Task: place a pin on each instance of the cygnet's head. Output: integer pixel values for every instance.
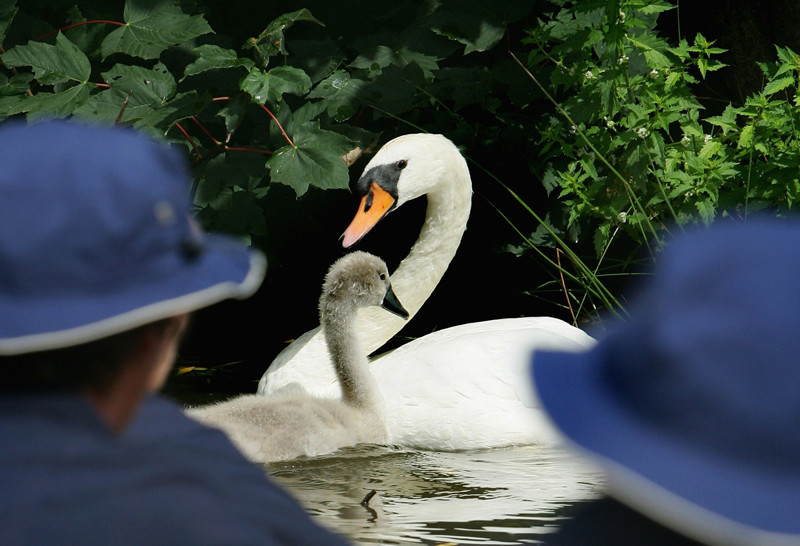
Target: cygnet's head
(358, 279)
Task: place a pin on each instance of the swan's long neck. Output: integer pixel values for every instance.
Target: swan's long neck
(418, 274)
(359, 387)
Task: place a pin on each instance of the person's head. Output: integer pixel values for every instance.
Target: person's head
(100, 259)
(691, 406)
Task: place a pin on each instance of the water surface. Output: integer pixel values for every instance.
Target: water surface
(501, 496)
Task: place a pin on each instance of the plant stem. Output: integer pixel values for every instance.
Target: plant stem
(278, 123)
(81, 23)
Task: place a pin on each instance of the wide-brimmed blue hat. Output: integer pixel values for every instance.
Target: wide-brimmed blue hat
(692, 405)
(97, 237)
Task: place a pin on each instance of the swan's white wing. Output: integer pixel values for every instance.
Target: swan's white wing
(469, 387)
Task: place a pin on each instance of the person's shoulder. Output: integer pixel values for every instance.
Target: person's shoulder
(202, 483)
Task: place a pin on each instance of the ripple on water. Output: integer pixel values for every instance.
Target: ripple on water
(499, 496)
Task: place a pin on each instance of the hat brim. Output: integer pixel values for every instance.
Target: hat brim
(224, 269)
(701, 493)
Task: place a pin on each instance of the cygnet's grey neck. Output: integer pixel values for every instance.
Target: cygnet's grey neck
(359, 388)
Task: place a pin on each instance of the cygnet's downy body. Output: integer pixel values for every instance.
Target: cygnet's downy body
(295, 424)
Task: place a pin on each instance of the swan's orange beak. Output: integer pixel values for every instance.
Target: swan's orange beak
(374, 206)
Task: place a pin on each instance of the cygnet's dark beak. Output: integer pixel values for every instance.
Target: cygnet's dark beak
(393, 305)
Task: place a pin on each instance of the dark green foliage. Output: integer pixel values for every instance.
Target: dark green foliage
(589, 133)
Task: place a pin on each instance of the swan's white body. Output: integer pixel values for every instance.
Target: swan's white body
(467, 387)
(294, 424)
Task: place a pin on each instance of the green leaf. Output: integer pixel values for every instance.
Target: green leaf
(145, 85)
(341, 94)
(151, 26)
(11, 105)
(140, 90)
(779, 84)
(315, 159)
(475, 23)
(211, 57)
(234, 111)
(16, 85)
(653, 49)
(271, 40)
(727, 121)
(709, 149)
(8, 9)
(270, 86)
(787, 56)
(746, 137)
(54, 105)
(381, 57)
(706, 210)
(51, 64)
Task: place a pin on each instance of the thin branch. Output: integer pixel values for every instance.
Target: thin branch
(203, 128)
(278, 123)
(182, 130)
(244, 149)
(122, 110)
(96, 21)
(564, 287)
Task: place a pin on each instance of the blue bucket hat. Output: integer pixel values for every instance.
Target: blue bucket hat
(692, 406)
(97, 237)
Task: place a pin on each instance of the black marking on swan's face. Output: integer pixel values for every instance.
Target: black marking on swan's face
(386, 176)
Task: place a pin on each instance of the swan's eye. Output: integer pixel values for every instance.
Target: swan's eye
(401, 164)
(383, 276)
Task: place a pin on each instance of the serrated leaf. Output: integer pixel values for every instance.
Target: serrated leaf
(52, 64)
(476, 24)
(141, 91)
(17, 84)
(145, 85)
(381, 57)
(8, 10)
(54, 105)
(151, 26)
(709, 149)
(653, 49)
(341, 94)
(727, 121)
(211, 57)
(787, 56)
(779, 84)
(601, 237)
(706, 210)
(271, 40)
(315, 158)
(233, 112)
(653, 8)
(746, 137)
(270, 86)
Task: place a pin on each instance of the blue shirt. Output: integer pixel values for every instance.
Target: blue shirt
(66, 478)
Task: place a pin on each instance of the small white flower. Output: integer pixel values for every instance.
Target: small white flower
(706, 139)
(685, 140)
(623, 217)
(642, 132)
(573, 129)
(610, 123)
(653, 74)
(588, 75)
(621, 16)
(622, 60)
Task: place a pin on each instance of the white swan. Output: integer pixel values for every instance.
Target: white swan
(294, 424)
(466, 387)
(434, 167)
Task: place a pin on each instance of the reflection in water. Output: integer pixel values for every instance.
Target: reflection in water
(502, 496)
